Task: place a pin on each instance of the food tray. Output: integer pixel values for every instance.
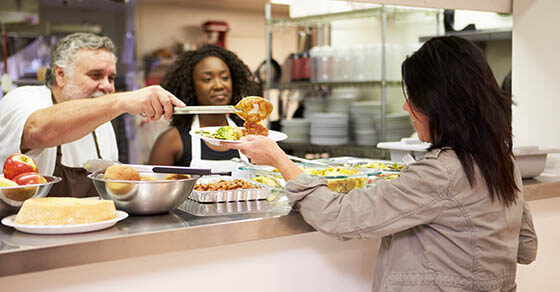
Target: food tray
(341, 183)
(266, 176)
(373, 165)
(229, 195)
(231, 208)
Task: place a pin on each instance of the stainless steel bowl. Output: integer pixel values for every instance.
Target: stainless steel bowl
(144, 197)
(11, 198)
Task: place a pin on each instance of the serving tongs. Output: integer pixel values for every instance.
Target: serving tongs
(100, 165)
(206, 109)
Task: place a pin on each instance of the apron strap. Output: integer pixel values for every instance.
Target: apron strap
(96, 145)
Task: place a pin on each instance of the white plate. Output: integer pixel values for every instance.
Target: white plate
(274, 135)
(63, 229)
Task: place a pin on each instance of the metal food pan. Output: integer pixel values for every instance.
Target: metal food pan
(230, 195)
(230, 208)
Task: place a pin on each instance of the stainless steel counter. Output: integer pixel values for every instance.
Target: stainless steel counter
(148, 235)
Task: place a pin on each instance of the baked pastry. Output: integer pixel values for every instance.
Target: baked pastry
(120, 172)
(254, 109)
(65, 211)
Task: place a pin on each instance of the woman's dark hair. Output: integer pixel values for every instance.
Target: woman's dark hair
(179, 79)
(449, 81)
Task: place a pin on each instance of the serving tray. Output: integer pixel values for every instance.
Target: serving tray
(229, 195)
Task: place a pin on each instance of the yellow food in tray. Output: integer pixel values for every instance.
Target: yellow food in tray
(380, 165)
(268, 180)
(340, 179)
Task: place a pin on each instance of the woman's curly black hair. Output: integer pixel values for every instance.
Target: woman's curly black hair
(179, 79)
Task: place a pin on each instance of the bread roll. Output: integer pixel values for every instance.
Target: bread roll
(120, 172)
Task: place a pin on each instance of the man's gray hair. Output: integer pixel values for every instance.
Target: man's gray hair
(65, 52)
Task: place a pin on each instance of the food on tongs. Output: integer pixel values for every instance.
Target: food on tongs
(253, 110)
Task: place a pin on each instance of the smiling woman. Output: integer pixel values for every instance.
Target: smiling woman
(210, 75)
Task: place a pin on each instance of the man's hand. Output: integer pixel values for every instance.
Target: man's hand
(153, 102)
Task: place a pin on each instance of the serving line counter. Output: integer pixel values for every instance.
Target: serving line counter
(138, 236)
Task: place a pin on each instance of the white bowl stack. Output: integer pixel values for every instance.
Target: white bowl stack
(314, 105)
(340, 99)
(329, 129)
(397, 126)
(296, 129)
(364, 116)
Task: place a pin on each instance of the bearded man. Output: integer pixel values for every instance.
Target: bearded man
(66, 122)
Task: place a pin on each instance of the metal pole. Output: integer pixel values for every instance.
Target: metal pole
(268, 27)
(438, 23)
(383, 72)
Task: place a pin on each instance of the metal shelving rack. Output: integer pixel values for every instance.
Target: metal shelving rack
(382, 11)
(323, 19)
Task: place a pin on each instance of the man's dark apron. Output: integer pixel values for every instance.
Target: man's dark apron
(74, 179)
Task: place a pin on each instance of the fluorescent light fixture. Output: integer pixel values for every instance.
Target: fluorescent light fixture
(283, 2)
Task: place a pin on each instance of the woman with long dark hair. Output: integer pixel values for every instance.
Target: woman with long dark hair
(210, 75)
(454, 220)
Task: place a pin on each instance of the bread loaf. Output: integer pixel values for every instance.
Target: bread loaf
(64, 211)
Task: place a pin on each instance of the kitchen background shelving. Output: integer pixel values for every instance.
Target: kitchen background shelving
(381, 15)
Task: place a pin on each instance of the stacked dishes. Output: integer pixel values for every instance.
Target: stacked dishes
(341, 98)
(296, 129)
(397, 126)
(364, 116)
(329, 129)
(314, 105)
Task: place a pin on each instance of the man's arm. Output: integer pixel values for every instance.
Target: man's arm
(70, 120)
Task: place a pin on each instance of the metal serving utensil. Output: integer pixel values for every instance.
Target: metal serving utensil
(206, 109)
(99, 165)
(306, 161)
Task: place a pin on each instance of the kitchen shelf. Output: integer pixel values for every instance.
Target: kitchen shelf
(478, 35)
(307, 84)
(393, 12)
(380, 13)
(300, 149)
(327, 18)
(23, 82)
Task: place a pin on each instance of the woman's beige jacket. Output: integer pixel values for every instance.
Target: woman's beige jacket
(439, 233)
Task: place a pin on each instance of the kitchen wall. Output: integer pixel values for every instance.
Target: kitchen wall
(246, 36)
(535, 76)
(110, 15)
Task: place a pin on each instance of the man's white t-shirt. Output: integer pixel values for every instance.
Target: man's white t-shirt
(19, 104)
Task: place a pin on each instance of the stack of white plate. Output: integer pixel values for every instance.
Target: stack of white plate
(340, 99)
(329, 129)
(296, 129)
(339, 104)
(397, 126)
(314, 105)
(364, 116)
